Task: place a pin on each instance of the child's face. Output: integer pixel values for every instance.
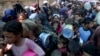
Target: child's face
(20, 18)
(9, 37)
(60, 45)
(55, 26)
(91, 24)
(56, 17)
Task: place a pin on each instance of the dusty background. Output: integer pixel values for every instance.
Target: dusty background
(4, 4)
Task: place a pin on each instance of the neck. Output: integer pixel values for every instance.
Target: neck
(19, 41)
(85, 28)
(32, 37)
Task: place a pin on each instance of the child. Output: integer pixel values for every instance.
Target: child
(21, 17)
(77, 17)
(74, 48)
(28, 26)
(32, 31)
(56, 27)
(62, 47)
(9, 15)
(85, 31)
(12, 32)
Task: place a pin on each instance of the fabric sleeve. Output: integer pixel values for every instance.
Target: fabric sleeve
(34, 47)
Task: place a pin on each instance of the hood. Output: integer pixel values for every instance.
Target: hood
(8, 13)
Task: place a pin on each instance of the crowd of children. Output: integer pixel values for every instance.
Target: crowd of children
(67, 28)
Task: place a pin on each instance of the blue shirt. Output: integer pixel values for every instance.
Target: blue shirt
(84, 34)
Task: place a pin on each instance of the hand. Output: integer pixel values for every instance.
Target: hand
(8, 47)
(1, 52)
(4, 49)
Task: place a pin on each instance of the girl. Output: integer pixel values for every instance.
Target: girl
(28, 26)
(32, 31)
(12, 32)
(56, 27)
(62, 47)
(21, 17)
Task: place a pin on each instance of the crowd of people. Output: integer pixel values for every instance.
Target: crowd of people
(67, 28)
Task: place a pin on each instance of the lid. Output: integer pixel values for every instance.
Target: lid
(45, 38)
(67, 33)
(69, 26)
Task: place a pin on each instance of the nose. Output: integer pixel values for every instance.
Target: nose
(6, 40)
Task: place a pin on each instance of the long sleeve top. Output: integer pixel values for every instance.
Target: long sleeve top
(27, 45)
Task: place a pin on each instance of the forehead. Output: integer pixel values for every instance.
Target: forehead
(8, 33)
(55, 23)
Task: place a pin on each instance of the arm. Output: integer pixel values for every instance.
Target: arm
(34, 47)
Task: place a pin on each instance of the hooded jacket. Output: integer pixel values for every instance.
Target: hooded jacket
(9, 13)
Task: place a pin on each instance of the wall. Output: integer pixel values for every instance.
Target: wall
(4, 4)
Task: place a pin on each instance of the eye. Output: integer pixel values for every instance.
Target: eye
(7, 37)
(59, 42)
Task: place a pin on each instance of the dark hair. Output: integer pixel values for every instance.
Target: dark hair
(63, 40)
(56, 22)
(87, 21)
(74, 46)
(18, 8)
(56, 16)
(75, 25)
(13, 26)
(95, 26)
(37, 30)
(53, 18)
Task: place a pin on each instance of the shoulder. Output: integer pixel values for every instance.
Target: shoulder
(80, 28)
(98, 28)
(28, 41)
